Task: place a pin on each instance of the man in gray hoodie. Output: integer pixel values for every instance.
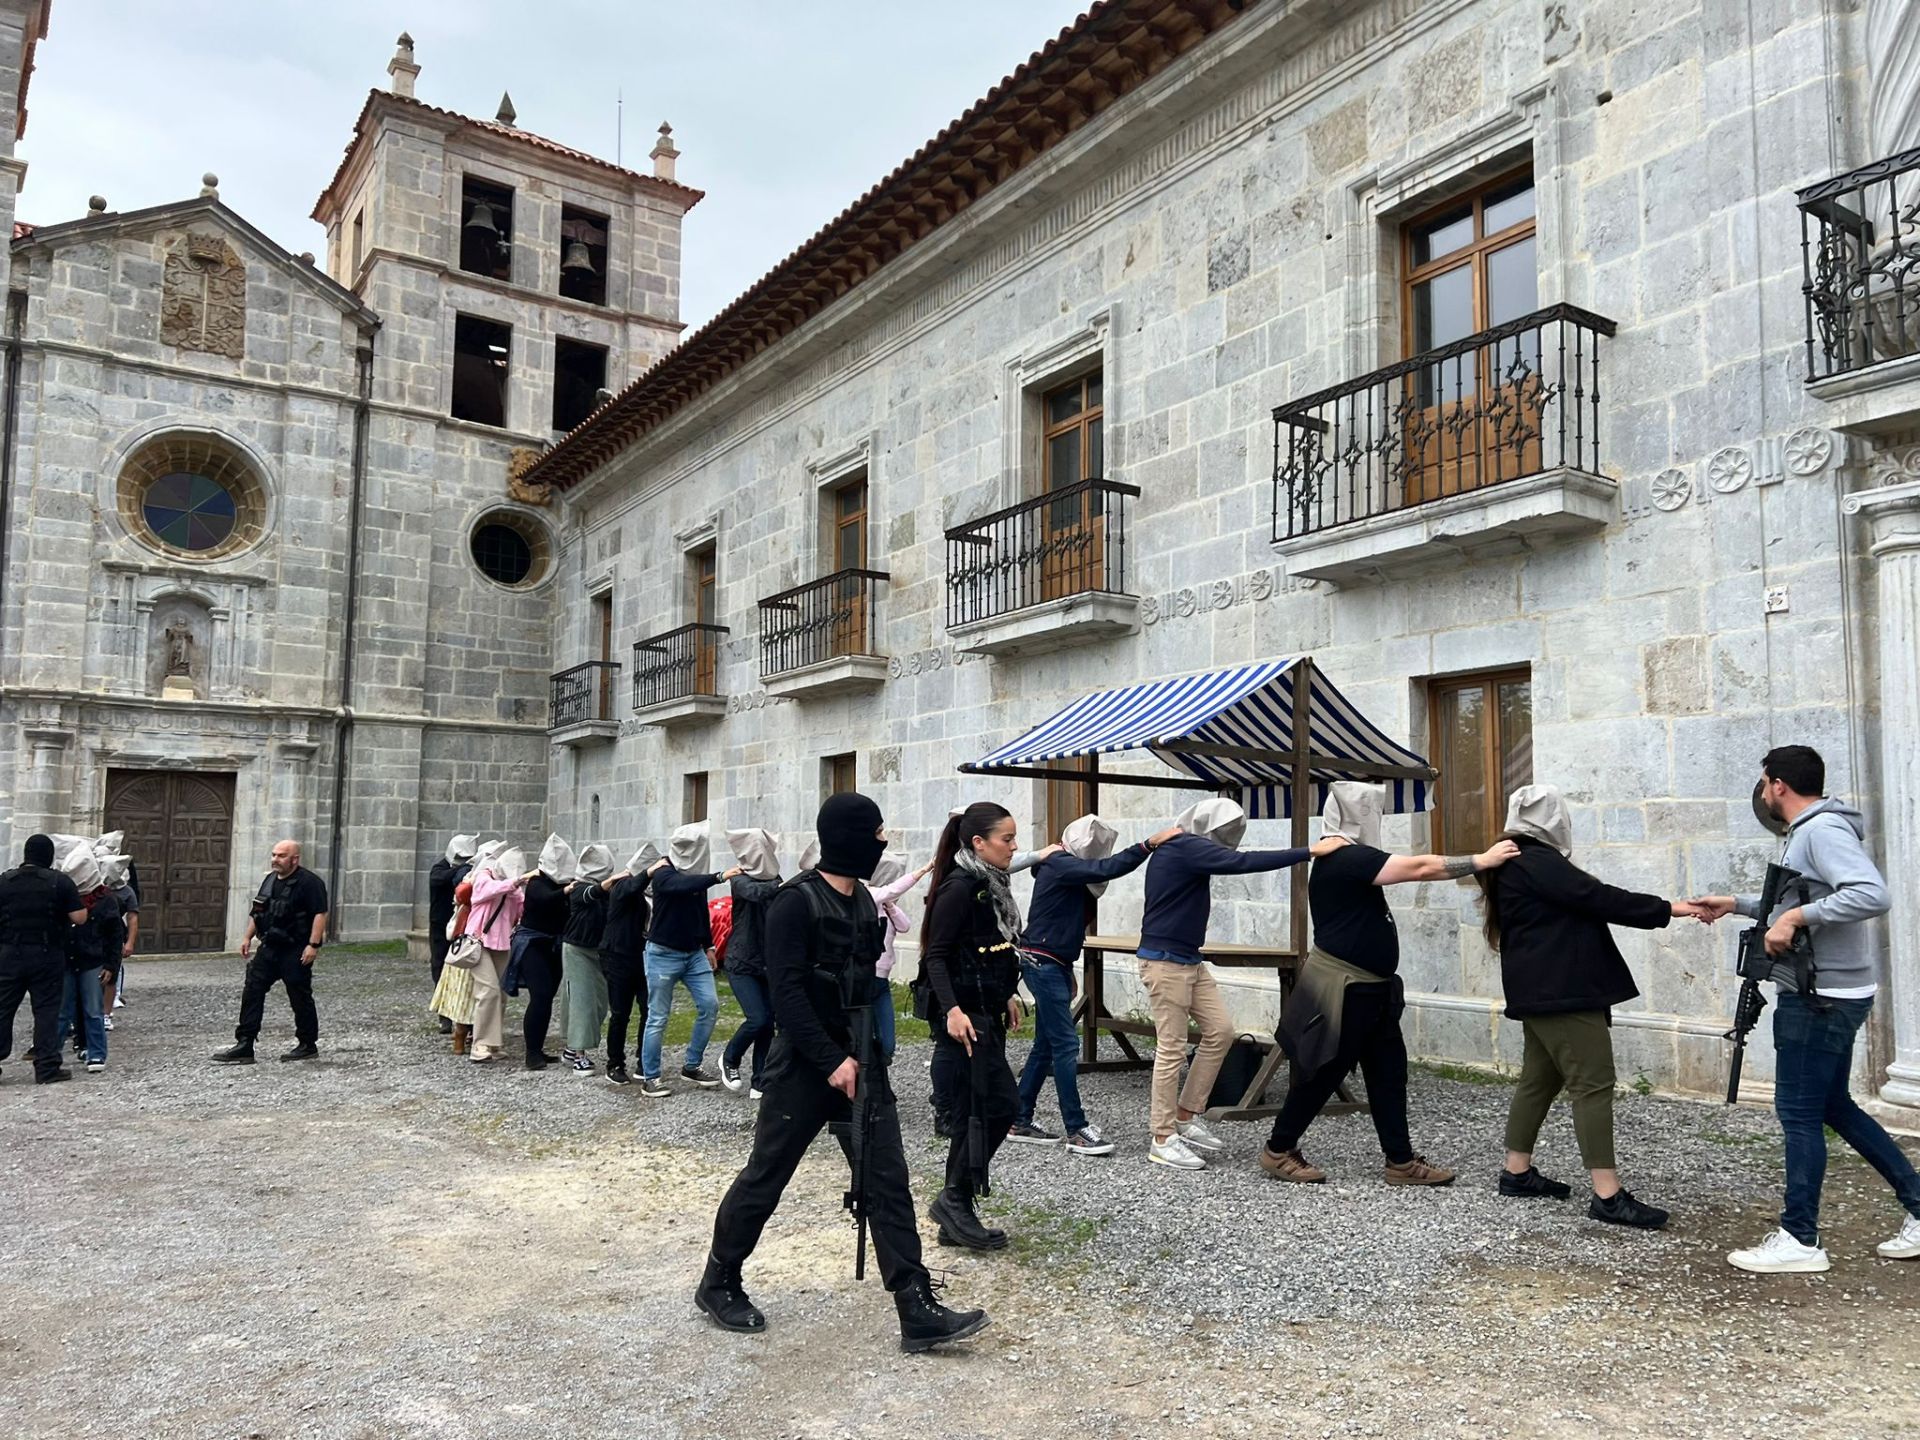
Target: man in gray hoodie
(1813, 1035)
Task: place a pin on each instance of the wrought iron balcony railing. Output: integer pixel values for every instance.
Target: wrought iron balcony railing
(1860, 265)
(1070, 541)
(584, 693)
(676, 665)
(823, 619)
(1517, 400)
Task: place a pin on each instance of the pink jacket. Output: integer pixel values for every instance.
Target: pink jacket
(500, 916)
(896, 919)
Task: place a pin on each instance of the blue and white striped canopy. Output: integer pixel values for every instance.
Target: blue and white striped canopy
(1249, 706)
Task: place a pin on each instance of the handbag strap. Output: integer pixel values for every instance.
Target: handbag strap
(494, 913)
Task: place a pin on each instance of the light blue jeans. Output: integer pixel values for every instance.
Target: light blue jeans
(85, 994)
(689, 968)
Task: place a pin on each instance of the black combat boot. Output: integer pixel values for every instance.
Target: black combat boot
(240, 1053)
(925, 1322)
(305, 1050)
(952, 1210)
(725, 1301)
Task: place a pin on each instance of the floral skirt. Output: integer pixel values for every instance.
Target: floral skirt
(453, 996)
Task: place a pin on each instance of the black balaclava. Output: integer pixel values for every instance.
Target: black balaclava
(850, 843)
(39, 850)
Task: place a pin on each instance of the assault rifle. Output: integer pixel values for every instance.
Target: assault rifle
(857, 1130)
(1793, 970)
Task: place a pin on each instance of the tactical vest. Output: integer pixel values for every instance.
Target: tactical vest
(35, 917)
(847, 938)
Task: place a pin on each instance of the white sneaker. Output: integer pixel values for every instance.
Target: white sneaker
(754, 1094)
(1173, 1151)
(1196, 1134)
(108, 1022)
(1905, 1245)
(1780, 1254)
(94, 1067)
(732, 1079)
(481, 1055)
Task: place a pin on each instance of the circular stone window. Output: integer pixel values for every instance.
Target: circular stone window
(192, 496)
(510, 549)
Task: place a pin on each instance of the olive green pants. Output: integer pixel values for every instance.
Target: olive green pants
(1574, 1053)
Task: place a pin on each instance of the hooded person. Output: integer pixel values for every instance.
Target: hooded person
(1064, 888)
(678, 940)
(889, 884)
(583, 1001)
(623, 943)
(1180, 986)
(810, 854)
(1346, 1005)
(821, 945)
(536, 964)
(494, 908)
(92, 955)
(39, 906)
(1562, 974)
(758, 855)
(443, 878)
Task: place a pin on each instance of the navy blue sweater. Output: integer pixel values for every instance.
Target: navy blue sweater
(1057, 914)
(1179, 897)
(680, 919)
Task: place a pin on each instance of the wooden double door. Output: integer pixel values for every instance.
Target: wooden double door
(179, 833)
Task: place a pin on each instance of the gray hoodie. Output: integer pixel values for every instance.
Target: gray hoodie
(1825, 845)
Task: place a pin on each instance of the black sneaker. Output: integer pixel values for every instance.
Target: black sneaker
(1530, 1184)
(240, 1054)
(617, 1073)
(305, 1050)
(1620, 1208)
(446, 1025)
(653, 1087)
(1031, 1135)
(55, 1078)
(705, 1079)
(538, 1061)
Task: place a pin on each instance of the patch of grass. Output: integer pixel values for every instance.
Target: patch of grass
(393, 949)
(905, 1026)
(1641, 1086)
(1466, 1074)
(1040, 1234)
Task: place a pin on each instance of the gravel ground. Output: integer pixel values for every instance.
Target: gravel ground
(394, 1242)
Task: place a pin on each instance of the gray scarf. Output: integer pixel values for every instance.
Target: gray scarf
(1006, 914)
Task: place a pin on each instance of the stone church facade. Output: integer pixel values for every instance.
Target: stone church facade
(270, 569)
(1484, 350)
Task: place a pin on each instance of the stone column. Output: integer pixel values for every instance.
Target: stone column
(1892, 511)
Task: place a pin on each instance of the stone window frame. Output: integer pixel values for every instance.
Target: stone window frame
(827, 472)
(688, 541)
(257, 495)
(1378, 204)
(533, 528)
(1025, 380)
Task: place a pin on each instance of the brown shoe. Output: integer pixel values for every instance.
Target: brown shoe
(1291, 1165)
(461, 1034)
(1418, 1172)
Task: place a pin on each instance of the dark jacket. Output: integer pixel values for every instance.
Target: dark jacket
(95, 945)
(967, 961)
(680, 919)
(812, 1025)
(747, 944)
(1057, 914)
(1180, 895)
(1556, 953)
(625, 934)
(35, 901)
(545, 910)
(441, 881)
(586, 915)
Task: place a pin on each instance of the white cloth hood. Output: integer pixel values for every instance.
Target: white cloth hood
(1353, 809)
(890, 869)
(595, 864)
(113, 871)
(483, 857)
(810, 854)
(690, 846)
(508, 864)
(557, 860)
(109, 843)
(643, 859)
(1090, 838)
(82, 867)
(757, 851)
(1217, 819)
(462, 847)
(1540, 811)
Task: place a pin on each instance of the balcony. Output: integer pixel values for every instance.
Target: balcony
(676, 677)
(1487, 444)
(583, 705)
(1860, 275)
(822, 638)
(1044, 574)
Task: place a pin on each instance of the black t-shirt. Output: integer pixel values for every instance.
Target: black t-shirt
(1351, 920)
(284, 909)
(546, 907)
(35, 901)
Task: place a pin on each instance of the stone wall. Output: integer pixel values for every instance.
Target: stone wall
(1222, 242)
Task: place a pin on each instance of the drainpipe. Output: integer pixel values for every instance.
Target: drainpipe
(343, 714)
(9, 428)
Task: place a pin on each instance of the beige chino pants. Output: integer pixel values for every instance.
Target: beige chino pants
(1178, 993)
(489, 1000)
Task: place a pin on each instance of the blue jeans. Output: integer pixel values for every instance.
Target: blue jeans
(85, 994)
(756, 1029)
(691, 969)
(1813, 1053)
(883, 1016)
(1056, 1048)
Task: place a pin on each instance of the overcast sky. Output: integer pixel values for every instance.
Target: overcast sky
(784, 110)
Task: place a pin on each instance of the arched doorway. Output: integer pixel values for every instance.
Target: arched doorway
(179, 831)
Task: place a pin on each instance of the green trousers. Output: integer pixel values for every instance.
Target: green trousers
(1572, 1052)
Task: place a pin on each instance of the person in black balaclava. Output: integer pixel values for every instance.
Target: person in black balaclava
(822, 939)
(39, 907)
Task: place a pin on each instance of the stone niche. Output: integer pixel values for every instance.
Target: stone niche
(179, 648)
(203, 302)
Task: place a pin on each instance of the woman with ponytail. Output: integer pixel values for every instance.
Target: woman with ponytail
(972, 969)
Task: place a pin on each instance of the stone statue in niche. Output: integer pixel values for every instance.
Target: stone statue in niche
(178, 639)
(179, 651)
(203, 302)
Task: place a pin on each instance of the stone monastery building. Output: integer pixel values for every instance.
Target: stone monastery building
(1548, 373)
